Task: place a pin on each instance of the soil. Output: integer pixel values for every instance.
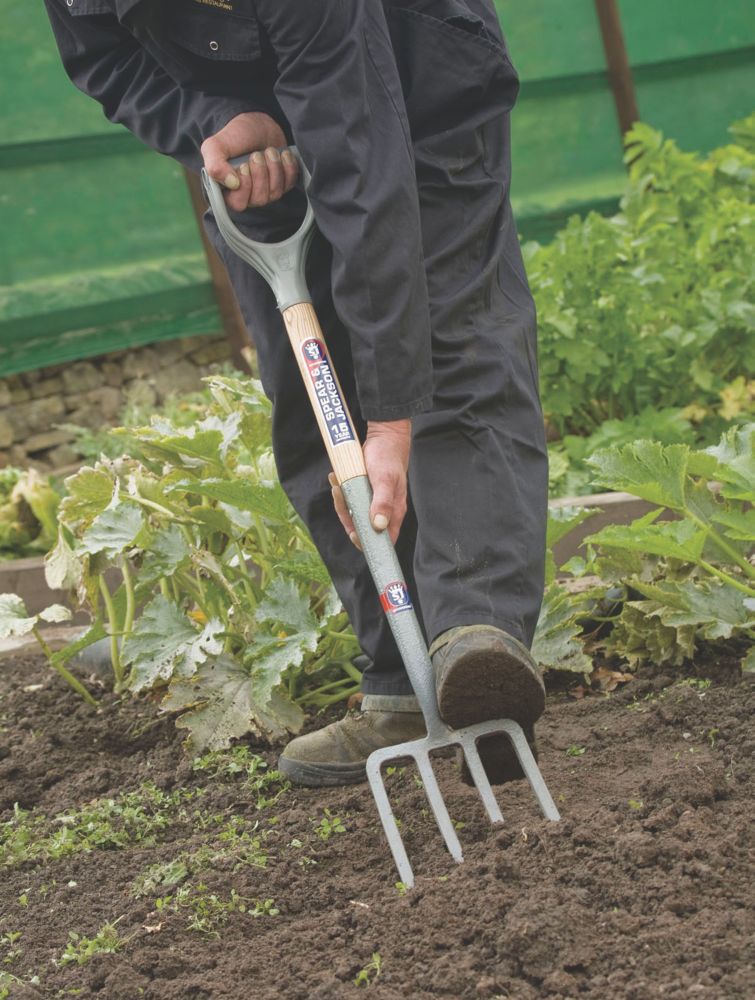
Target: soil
(643, 890)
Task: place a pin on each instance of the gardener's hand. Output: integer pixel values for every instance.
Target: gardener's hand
(386, 455)
(266, 176)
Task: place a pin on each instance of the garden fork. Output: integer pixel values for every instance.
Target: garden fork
(282, 266)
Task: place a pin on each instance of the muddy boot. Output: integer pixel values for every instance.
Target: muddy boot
(483, 673)
(337, 754)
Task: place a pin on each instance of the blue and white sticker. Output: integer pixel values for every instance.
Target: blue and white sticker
(326, 391)
(395, 597)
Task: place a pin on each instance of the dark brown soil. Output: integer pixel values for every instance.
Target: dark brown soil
(644, 889)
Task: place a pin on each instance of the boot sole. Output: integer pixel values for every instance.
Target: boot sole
(311, 775)
(492, 684)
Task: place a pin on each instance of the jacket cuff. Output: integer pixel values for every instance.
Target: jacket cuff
(400, 411)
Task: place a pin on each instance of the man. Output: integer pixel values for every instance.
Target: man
(400, 110)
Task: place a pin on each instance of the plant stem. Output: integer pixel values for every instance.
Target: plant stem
(128, 581)
(115, 655)
(721, 542)
(727, 579)
(67, 676)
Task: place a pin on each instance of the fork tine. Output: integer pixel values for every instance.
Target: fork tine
(438, 806)
(480, 778)
(390, 827)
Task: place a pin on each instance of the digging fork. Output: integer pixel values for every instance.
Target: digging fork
(282, 266)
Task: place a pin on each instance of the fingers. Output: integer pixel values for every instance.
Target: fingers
(265, 178)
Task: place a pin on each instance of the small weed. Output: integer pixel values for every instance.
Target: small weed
(105, 824)
(329, 825)
(239, 761)
(80, 949)
(636, 804)
(8, 940)
(402, 888)
(712, 736)
(697, 683)
(373, 967)
(159, 876)
(575, 751)
(209, 911)
(23, 899)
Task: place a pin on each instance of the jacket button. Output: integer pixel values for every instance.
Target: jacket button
(213, 45)
(70, 3)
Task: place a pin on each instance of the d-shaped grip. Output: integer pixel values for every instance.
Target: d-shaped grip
(280, 264)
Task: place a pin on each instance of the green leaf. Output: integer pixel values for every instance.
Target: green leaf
(14, 618)
(647, 470)
(114, 530)
(562, 520)
(282, 602)
(269, 502)
(670, 539)
(557, 644)
(740, 525)
(714, 605)
(63, 568)
(218, 706)
(268, 658)
(168, 549)
(227, 427)
(90, 491)
(164, 642)
(748, 664)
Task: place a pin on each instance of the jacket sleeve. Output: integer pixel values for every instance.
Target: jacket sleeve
(339, 88)
(106, 62)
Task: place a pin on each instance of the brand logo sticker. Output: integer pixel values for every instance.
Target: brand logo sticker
(395, 598)
(326, 391)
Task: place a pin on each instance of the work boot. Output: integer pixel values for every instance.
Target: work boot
(483, 673)
(337, 754)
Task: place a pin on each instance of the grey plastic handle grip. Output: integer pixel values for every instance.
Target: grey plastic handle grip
(280, 264)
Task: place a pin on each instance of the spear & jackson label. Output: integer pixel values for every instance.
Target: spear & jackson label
(395, 598)
(326, 391)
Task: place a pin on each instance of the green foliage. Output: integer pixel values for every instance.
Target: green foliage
(370, 972)
(225, 604)
(209, 911)
(651, 310)
(328, 825)
(28, 508)
(80, 950)
(135, 817)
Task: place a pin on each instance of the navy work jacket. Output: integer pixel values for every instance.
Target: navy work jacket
(344, 80)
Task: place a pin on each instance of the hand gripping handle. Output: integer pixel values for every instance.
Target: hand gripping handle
(280, 264)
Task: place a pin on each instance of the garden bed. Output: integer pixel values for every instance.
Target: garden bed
(641, 891)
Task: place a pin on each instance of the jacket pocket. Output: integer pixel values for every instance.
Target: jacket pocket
(213, 33)
(455, 74)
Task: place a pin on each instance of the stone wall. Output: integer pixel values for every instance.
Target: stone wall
(93, 393)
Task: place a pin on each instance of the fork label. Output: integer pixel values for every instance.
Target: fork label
(326, 391)
(395, 598)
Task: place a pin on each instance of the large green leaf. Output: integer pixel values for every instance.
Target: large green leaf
(89, 492)
(717, 607)
(114, 530)
(647, 470)
(670, 539)
(557, 644)
(740, 525)
(269, 502)
(164, 642)
(216, 703)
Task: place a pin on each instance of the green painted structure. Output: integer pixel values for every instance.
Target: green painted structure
(99, 248)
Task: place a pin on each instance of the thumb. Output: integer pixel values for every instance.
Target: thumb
(381, 508)
(217, 166)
